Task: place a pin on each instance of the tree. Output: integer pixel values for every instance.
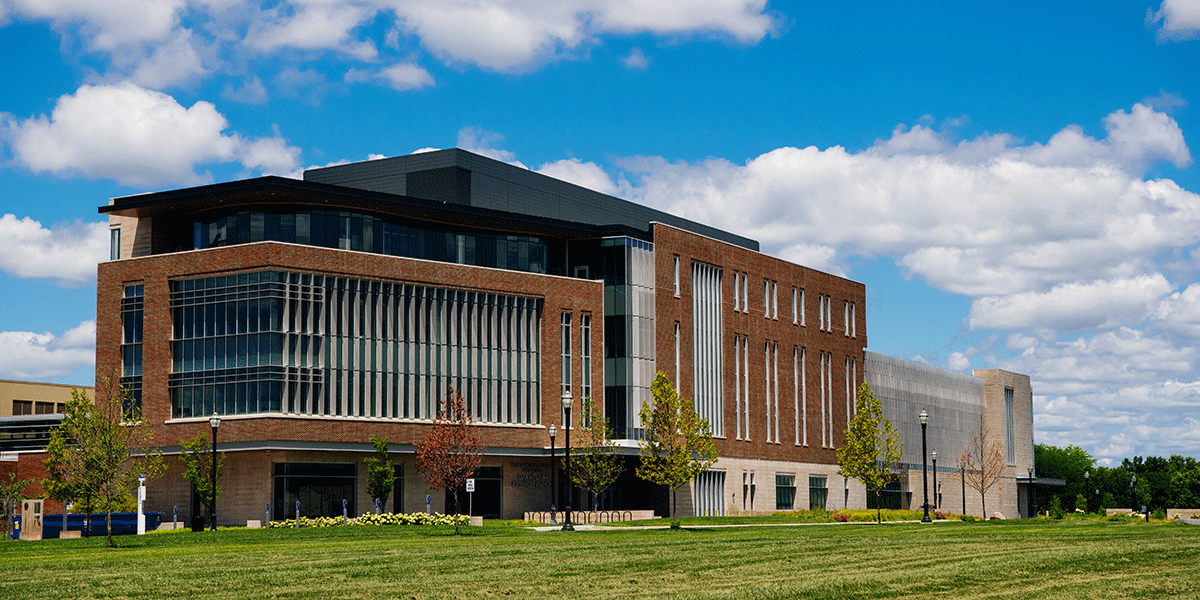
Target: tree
(10, 494)
(100, 449)
(381, 475)
(984, 461)
(596, 465)
(1068, 464)
(198, 465)
(870, 448)
(451, 451)
(678, 443)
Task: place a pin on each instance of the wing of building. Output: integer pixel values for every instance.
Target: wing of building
(311, 315)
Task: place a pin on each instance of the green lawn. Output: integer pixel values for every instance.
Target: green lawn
(1010, 559)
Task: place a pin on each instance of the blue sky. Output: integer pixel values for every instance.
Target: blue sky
(1013, 181)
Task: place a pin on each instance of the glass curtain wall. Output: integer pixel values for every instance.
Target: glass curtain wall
(628, 331)
(299, 343)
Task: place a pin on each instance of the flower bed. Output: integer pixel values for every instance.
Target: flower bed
(381, 519)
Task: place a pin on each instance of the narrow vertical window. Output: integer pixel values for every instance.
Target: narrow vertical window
(766, 298)
(821, 312)
(676, 275)
(746, 381)
(745, 293)
(767, 385)
(114, 243)
(824, 418)
(800, 304)
(846, 318)
(795, 314)
(775, 382)
(737, 288)
(585, 356)
(566, 353)
(853, 321)
(1010, 438)
(676, 355)
(737, 384)
(774, 300)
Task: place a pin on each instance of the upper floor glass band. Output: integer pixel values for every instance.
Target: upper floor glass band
(368, 233)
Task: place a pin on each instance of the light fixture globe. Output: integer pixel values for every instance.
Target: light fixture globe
(567, 400)
(924, 417)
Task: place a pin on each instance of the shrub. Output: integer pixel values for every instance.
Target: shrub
(1056, 509)
(968, 518)
(1160, 513)
(841, 517)
(941, 514)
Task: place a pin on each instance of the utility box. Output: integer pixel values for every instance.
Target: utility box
(31, 519)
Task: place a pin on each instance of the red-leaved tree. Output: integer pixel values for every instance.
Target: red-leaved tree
(451, 451)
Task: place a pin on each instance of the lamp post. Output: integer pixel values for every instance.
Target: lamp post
(553, 496)
(924, 468)
(933, 457)
(566, 402)
(1087, 475)
(214, 422)
(1033, 491)
(1132, 495)
(962, 476)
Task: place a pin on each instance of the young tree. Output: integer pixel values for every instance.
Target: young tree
(870, 447)
(451, 451)
(984, 460)
(678, 445)
(100, 449)
(10, 494)
(197, 462)
(381, 475)
(596, 465)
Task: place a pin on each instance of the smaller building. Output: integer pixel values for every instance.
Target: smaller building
(29, 411)
(957, 405)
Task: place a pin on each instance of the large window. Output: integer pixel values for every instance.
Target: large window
(319, 488)
(132, 304)
(785, 491)
(707, 357)
(1010, 437)
(710, 492)
(818, 494)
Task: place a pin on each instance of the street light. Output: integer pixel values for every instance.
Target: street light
(566, 402)
(1087, 475)
(141, 518)
(214, 422)
(1033, 488)
(962, 476)
(933, 457)
(924, 470)
(553, 496)
(1132, 495)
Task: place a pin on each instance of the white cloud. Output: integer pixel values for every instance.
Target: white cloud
(251, 92)
(40, 356)
(1175, 19)
(1073, 306)
(169, 42)
(636, 60)
(137, 137)
(474, 139)
(400, 76)
(587, 174)
(68, 253)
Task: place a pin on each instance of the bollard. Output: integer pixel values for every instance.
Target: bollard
(427, 500)
(267, 515)
(175, 518)
(377, 506)
(297, 514)
(343, 511)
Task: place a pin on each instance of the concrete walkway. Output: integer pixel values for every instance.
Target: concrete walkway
(668, 526)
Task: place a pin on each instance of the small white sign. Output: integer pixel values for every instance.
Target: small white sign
(142, 493)
(470, 485)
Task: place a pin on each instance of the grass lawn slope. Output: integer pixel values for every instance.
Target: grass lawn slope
(999, 559)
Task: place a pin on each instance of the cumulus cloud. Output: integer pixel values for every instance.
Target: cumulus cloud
(68, 252)
(474, 139)
(1073, 306)
(400, 77)
(251, 92)
(173, 41)
(636, 60)
(586, 174)
(137, 137)
(41, 356)
(1175, 19)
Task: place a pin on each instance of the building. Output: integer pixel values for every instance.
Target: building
(29, 411)
(311, 315)
(957, 405)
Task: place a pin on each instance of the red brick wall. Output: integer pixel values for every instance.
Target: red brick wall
(671, 242)
(558, 294)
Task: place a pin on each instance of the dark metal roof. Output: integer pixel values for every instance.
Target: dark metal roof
(292, 192)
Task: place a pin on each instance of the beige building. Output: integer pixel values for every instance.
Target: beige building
(31, 398)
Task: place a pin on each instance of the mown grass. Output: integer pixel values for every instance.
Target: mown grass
(1009, 559)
